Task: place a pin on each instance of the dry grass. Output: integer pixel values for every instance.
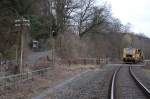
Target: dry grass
(33, 87)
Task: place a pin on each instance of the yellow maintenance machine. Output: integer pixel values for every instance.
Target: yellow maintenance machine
(132, 55)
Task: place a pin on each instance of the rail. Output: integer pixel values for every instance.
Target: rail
(143, 87)
(112, 90)
(140, 84)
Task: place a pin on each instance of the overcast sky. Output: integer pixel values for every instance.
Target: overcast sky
(136, 12)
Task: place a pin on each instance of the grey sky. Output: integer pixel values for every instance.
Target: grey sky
(135, 12)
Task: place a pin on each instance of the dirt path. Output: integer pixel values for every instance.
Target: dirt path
(86, 85)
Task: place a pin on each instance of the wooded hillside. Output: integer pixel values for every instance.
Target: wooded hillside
(76, 28)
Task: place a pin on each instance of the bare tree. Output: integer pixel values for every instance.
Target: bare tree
(83, 15)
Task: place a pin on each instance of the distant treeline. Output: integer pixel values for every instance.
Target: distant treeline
(75, 28)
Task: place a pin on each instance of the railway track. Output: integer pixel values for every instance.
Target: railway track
(125, 85)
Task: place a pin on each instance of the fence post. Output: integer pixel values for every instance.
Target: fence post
(84, 60)
(97, 61)
(69, 62)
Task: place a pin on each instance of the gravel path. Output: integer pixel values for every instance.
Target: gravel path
(93, 84)
(34, 56)
(126, 87)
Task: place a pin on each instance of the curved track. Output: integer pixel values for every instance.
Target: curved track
(125, 85)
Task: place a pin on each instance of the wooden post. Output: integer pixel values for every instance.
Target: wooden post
(84, 61)
(69, 62)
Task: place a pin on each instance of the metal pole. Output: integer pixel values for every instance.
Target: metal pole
(21, 50)
(53, 41)
(16, 54)
(18, 48)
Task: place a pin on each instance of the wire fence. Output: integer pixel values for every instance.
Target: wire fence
(13, 80)
(84, 61)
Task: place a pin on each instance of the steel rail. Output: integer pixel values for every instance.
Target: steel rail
(144, 88)
(112, 90)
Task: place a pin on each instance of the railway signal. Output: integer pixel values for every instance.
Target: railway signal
(21, 23)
